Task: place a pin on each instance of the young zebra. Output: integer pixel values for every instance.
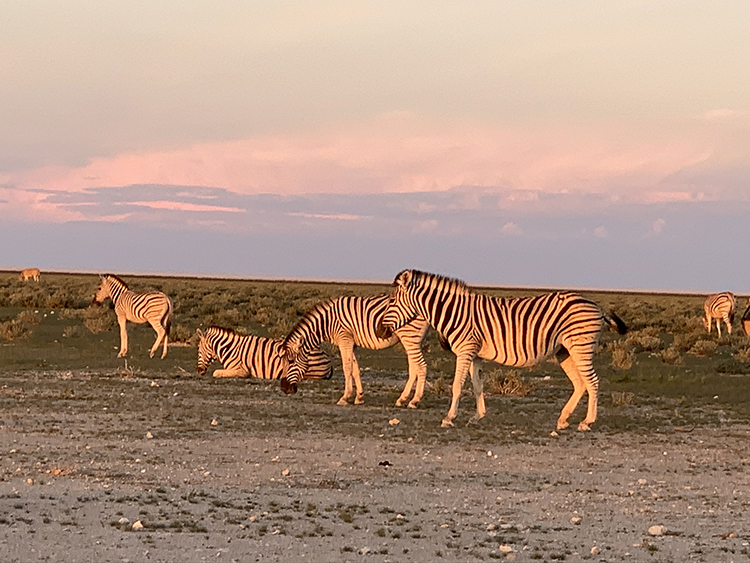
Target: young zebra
(153, 307)
(348, 322)
(720, 306)
(252, 356)
(515, 332)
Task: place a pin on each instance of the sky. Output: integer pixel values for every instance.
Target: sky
(581, 144)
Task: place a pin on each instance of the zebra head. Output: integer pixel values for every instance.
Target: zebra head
(104, 290)
(206, 353)
(296, 360)
(401, 308)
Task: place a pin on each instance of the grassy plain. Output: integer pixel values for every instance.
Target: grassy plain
(91, 444)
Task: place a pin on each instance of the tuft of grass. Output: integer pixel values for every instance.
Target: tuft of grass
(623, 356)
(506, 382)
(671, 356)
(14, 330)
(98, 319)
(622, 398)
(703, 348)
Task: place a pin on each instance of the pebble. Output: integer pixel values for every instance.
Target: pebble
(149, 436)
(394, 421)
(154, 384)
(137, 525)
(594, 550)
(123, 521)
(364, 551)
(576, 520)
(658, 530)
(214, 422)
(253, 519)
(642, 481)
(285, 472)
(505, 548)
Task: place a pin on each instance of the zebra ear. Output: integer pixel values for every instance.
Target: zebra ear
(404, 278)
(199, 332)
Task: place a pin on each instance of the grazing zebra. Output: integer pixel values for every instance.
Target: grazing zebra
(515, 332)
(153, 307)
(720, 306)
(252, 356)
(348, 322)
(29, 274)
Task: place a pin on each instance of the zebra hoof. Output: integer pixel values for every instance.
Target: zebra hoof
(562, 425)
(359, 401)
(583, 427)
(342, 402)
(400, 403)
(413, 405)
(446, 423)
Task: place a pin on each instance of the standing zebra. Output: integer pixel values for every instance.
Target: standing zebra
(252, 356)
(515, 332)
(348, 322)
(720, 306)
(29, 274)
(153, 307)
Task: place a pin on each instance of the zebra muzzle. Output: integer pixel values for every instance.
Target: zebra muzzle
(288, 388)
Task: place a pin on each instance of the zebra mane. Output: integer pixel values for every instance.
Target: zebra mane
(116, 278)
(224, 330)
(449, 285)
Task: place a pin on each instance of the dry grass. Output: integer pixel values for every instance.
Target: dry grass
(99, 319)
(506, 382)
(703, 348)
(622, 398)
(623, 356)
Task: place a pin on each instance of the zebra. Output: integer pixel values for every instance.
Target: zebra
(252, 356)
(718, 307)
(153, 307)
(348, 322)
(515, 332)
(29, 274)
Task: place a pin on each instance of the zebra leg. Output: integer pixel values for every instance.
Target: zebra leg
(122, 321)
(407, 388)
(421, 380)
(237, 372)
(360, 397)
(729, 324)
(583, 358)
(569, 367)
(161, 334)
(463, 364)
(718, 326)
(476, 380)
(347, 358)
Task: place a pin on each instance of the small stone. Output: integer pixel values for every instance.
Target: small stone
(505, 549)
(399, 516)
(445, 526)
(394, 421)
(253, 519)
(30, 481)
(154, 384)
(732, 535)
(285, 472)
(576, 520)
(137, 525)
(149, 436)
(642, 481)
(594, 550)
(489, 453)
(364, 551)
(554, 434)
(123, 521)
(658, 530)
(214, 422)
(490, 527)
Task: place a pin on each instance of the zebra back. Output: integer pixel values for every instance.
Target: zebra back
(719, 305)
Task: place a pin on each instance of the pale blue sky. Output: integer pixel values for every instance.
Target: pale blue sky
(599, 128)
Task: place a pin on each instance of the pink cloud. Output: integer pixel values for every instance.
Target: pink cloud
(394, 153)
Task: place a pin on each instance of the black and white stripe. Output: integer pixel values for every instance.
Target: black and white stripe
(720, 307)
(252, 356)
(348, 322)
(515, 332)
(153, 307)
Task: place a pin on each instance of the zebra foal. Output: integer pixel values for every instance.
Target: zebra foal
(514, 332)
(348, 322)
(153, 307)
(720, 307)
(252, 356)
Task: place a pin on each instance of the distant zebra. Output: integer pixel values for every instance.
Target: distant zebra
(153, 307)
(252, 356)
(515, 332)
(718, 307)
(348, 322)
(29, 274)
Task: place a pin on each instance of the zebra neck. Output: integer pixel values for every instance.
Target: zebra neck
(223, 343)
(116, 291)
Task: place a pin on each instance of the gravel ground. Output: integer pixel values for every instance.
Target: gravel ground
(170, 467)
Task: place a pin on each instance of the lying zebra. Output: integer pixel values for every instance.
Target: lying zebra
(252, 356)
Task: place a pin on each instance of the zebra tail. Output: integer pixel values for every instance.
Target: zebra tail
(615, 322)
(444, 344)
(166, 320)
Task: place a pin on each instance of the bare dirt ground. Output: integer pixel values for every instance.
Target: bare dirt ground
(212, 470)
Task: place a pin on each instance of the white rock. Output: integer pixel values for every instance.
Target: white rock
(394, 421)
(505, 548)
(642, 481)
(214, 422)
(123, 521)
(364, 551)
(554, 434)
(658, 530)
(149, 436)
(285, 472)
(575, 520)
(137, 525)
(594, 550)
